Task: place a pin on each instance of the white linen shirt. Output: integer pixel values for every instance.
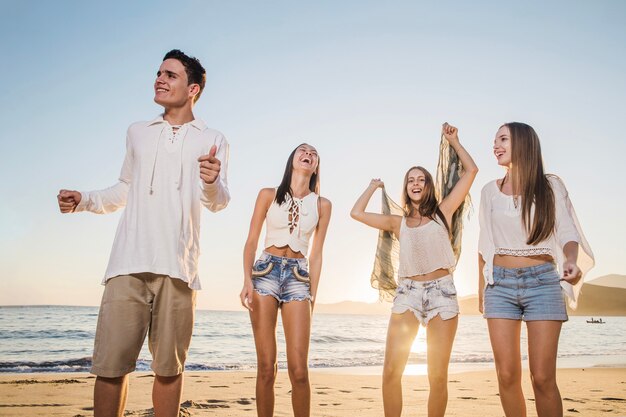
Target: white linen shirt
(502, 232)
(161, 188)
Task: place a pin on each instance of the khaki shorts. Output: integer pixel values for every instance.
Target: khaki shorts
(136, 305)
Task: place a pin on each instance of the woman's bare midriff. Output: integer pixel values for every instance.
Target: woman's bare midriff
(508, 261)
(439, 273)
(284, 252)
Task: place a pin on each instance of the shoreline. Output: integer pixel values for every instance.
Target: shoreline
(597, 391)
(571, 362)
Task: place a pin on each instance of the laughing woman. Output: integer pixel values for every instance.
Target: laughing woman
(428, 232)
(528, 231)
(282, 278)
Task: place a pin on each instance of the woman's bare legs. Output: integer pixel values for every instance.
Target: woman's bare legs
(440, 338)
(505, 343)
(263, 318)
(296, 317)
(400, 335)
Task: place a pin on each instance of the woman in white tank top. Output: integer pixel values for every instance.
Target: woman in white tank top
(425, 292)
(282, 278)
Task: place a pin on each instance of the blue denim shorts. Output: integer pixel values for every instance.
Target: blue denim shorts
(529, 294)
(427, 299)
(285, 279)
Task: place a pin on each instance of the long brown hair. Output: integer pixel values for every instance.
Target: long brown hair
(285, 185)
(429, 206)
(530, 183)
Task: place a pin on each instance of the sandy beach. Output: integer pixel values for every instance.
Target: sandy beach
(586, 392)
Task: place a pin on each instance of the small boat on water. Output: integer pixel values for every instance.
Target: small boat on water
(594, 321)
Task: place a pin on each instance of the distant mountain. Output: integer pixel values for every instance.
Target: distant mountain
(600, 300)
(613, 280)
(603, 296)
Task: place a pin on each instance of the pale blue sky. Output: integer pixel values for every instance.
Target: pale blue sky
(367, 83)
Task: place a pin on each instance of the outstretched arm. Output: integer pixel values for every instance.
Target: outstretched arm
(385, 222)
(101, 201)
(449, 204)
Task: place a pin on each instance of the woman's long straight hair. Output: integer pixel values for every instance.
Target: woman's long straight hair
(530, 183)
(284, 188)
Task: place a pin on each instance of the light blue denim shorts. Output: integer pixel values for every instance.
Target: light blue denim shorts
(427, 299)
(529, 294)
(285, 279)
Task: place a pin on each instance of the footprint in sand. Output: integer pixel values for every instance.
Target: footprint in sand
(345, 391)
(244, 401)
(573, 410)
(612, 399)
(572, 400)
(467, 398)
(369, 388)
(209, 404)
(219, 386)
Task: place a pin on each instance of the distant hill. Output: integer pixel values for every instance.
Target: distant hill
(603, 296)
(600, 300)
(613, 280)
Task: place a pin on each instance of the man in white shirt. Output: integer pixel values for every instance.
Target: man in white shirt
(174, 165)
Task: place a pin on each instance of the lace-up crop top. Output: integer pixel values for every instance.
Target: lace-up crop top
(292, 223)
(424, 249)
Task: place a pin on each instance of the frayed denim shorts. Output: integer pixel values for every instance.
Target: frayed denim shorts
(427, 299)
(529, 294)
(285, 279)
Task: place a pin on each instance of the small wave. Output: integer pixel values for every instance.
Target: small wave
(71, 365)
(46, 334)
(344, 339)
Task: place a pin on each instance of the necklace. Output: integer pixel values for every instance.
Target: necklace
(514, 197)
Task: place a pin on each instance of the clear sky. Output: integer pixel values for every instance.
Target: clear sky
(367, 82)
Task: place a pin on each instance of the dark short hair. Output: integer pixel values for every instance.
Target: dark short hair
(196, 73)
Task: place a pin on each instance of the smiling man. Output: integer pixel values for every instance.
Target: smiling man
(174, 165)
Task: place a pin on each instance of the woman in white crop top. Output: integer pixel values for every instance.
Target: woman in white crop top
(425, 292)
(282, 278)
(531, 250)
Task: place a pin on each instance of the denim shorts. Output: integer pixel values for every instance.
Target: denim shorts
(529, 294)
(427, 299)
(285, 279)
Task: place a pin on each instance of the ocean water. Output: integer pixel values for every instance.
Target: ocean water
(60, 339)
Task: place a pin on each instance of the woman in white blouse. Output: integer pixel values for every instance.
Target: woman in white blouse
(531, 251)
